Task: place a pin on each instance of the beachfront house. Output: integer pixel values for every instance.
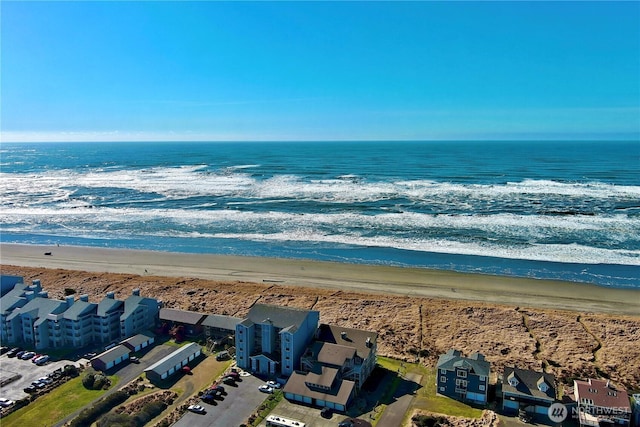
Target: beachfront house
(271, 339)
(463, 378)
(334, 367)
(220, 329)
(530, 391)
(600, 402)
(186, 323)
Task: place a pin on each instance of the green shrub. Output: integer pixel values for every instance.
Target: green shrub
(88, 380)
(90, 415)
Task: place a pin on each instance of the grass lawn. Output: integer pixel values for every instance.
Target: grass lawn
(426, 398)
(55, 405)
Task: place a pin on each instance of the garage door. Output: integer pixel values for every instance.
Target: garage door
(511, 404)
(306, 399)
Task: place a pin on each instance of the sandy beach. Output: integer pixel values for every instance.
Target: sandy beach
(569, 329)
(414, 282)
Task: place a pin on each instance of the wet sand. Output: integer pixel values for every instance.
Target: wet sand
(416, 282)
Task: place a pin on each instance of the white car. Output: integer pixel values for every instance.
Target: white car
(41, 360)
(28, 355)
(45, 380)
(6, 402)
(273, 384)
(265, 388)
(196, 408)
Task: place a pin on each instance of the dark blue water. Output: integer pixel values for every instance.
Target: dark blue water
(564, 210)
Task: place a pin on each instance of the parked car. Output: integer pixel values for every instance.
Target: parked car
(41, 360)
(134, 359)
(14, 352)
(45, 380)
(4, 402)
(20, 353)
(229, 380)
(346, 423)
(234, 375)
(38, 384)
(217, 390)
(273, 384)
(265, 389)
(37, 356)
(27, 355)
(30, 389)
(4, 349)
(196, 408)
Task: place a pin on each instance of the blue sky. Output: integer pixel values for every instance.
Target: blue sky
(319, 70)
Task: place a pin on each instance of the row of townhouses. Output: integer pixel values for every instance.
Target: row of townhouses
(593, 402)
(28, 316)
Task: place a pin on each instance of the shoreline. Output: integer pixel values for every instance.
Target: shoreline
(372, 279)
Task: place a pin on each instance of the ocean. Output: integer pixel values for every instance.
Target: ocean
(552, 210)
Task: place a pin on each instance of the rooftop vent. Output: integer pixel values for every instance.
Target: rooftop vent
(368, 342)
(136, 292)
(343, 334)
(111, 295)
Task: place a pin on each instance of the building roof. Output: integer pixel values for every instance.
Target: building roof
(332, 354)
(78, 309)
(321, 375)
(182, 316)
(453, 359)
(601, 393)
(112, 354)
(138, 339)
(168, 362)
(339, 393)
(363, 341)
(13, 298)
(107, 305)
(279, 317)
(528, 383)
(221, 322)
(133, 302)
(38, 308)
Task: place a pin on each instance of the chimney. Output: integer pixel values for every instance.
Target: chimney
(111, 295)
(368, 342)
(343, 334)
(84, 297)
(36, 285)
(30, 295)
(69, 300)
(136, 292)
(43, 294)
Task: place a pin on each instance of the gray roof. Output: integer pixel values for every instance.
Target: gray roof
(222, 322)
(181, 316)
(163, 365)
(528, 381)
(112, 354)
(138, 339)
(131, 304)
(339, 393)
(108, 305)
(14, 298)
(78, 309)
(355, 338)
(332, 354)
(453, 359)
(39, 308)
(280, 317)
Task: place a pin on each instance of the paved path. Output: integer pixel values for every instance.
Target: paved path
(395, 411)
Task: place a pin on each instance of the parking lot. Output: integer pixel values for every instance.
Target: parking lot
(236, 406)
(26, 372)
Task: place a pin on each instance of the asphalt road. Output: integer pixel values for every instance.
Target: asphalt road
(238, 404)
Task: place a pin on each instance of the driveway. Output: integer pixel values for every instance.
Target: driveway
(238, 404)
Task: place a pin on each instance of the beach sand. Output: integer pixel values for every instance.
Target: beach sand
(417, 282)
(569, 329)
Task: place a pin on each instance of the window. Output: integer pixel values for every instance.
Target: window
(443, 371)
(462, 374)
(441, 389)
(481, 387)
(483, 378)
(443, 379)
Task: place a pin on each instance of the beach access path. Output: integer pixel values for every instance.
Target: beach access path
(417, 282)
